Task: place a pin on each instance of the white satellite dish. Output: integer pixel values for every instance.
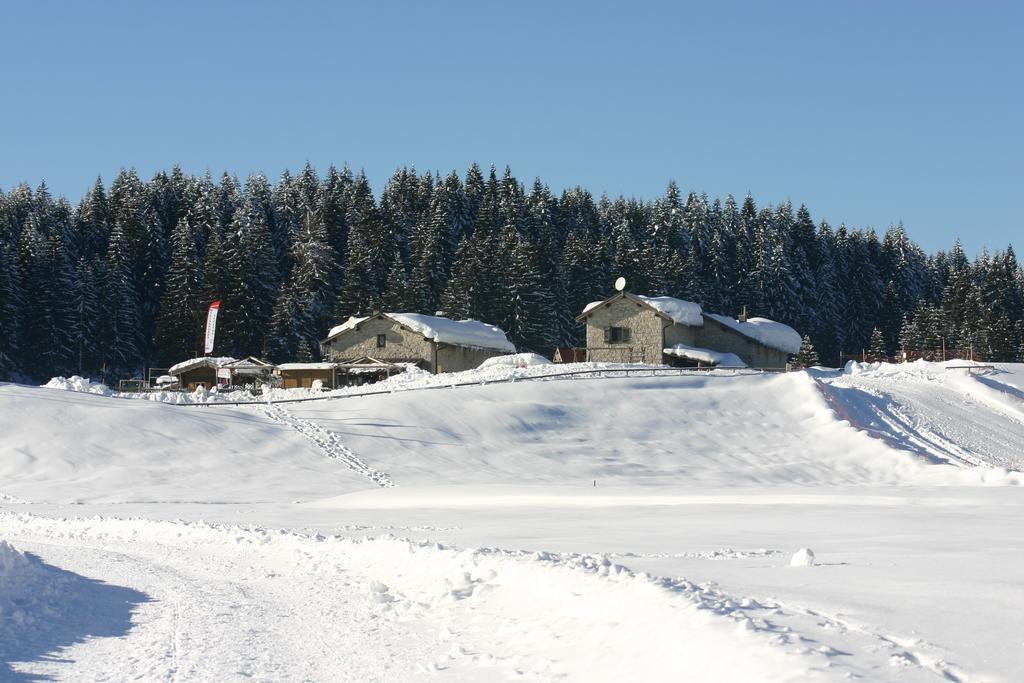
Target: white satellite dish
(620, 284)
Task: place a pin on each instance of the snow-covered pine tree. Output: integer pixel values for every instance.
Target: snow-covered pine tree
(461, 298)
(429, 241)
(11, 303)
(910, 337)
(957, 294)
(876, 346)
(85, 307)
(119, 348)
(179, 326)
(362, 283)
(332, 210)
(721, 273)
(304, 309)
(400, 292)
(287, 214)
(531, 311)
(252, 280)
(806, 357)
(584, 283)
(92, 224)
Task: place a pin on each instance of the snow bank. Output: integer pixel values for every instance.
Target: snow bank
(705, 356)
(515, 360)
(76, 383)
(768, 332)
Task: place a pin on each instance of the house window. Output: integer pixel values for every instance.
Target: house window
(382, 341)
(616, 335)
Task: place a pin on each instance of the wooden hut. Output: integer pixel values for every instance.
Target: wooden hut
(203, 371)
(305, 375)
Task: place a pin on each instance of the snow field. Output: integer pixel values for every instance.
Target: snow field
(656, 431)
(227, 602)
(68, 447)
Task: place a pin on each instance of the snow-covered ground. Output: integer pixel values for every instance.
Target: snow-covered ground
(591, 529)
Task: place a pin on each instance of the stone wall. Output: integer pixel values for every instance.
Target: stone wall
(717, 337)
(680, 334)
(645, 326)
(458, 358)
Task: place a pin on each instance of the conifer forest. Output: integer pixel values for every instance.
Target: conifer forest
(121, 281)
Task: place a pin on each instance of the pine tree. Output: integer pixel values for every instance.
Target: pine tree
(85, 306)
(806, 357)
(910, 337)
(531, 314)
(876, 346)
(252, 280)
(463, 298)
(400, 293)
(304, 309)
(11, 303)
(179, 326)
(120, 335)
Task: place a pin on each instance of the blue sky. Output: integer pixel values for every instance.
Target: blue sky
(868, 112)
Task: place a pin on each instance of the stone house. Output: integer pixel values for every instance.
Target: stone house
(631, 328)
(433, 343)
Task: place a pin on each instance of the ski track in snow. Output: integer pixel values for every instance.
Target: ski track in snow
(232, 603)
(328, 443)
(913, 413)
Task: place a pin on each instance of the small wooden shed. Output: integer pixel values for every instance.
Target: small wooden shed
(304, 375)
(249, 370)
(202, 371)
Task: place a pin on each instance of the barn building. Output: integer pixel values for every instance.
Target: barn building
(631, 328)
(433, 343)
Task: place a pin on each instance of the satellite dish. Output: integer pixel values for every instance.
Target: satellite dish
(620, 284)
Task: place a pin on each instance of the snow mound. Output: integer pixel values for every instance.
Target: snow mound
(515, 360)
(76, 383)
(705, 356)
(768, 332)
(802, 558)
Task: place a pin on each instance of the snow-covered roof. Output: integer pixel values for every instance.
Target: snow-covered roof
(768, 332)
(458, 332)
(249, 362)
(349, 324)
(307, 366)
(443, 330)
(202, 361)
(708, 356)
(678, 311)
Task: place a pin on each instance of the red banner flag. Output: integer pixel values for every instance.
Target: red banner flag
(211, 326)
